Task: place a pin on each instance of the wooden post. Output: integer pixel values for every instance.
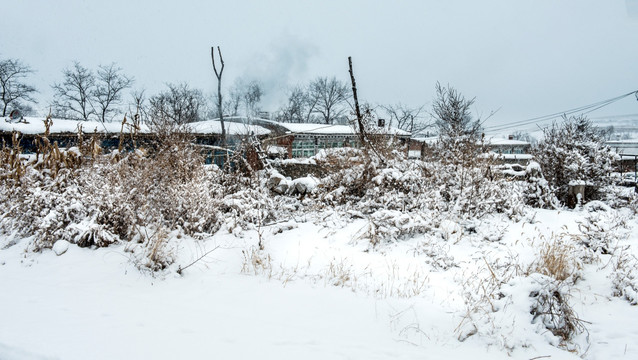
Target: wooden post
(356, 104)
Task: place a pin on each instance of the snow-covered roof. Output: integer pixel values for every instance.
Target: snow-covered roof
(516, 156)
(507, 142)
(314, 129)
(32, 125)
(427, 140)
(232, 128)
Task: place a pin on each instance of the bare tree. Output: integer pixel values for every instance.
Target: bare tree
(178, 105)
(138, 102)
(252, 96)
(218, 74)
(300, 106)
(329, 96)
(72, 97)
(452, 114)
(246, 94)
(233, 101)
(524, 136)
(295, 109)
(108, 91)
(12, 88)
(405, 117)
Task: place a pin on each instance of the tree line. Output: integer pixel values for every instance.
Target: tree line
(106, 93)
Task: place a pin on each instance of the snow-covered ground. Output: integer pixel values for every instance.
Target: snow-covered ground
(316, 291)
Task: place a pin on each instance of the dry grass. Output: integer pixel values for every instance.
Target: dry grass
(557, 259)
(257, 261)
(13, 166)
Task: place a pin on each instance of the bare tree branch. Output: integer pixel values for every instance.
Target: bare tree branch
(12, 89)
(406, 118)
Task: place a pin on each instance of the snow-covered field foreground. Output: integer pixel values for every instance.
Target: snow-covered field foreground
(318, 290)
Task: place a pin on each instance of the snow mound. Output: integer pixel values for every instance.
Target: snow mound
(60, 247)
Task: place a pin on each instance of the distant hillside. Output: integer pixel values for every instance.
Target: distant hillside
(624, 126)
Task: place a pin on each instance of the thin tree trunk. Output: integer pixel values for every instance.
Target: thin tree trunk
(219, 89)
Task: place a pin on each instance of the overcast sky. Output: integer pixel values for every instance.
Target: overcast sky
(524, 58)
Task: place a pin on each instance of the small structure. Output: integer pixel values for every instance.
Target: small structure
(511, 151)
(576, 194)
(628, 151)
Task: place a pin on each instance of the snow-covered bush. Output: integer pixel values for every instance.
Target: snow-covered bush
(51, 209)
(102, 202)
(574, 151)
(402, 197)
(472, 191)
(550, 307)
(619, 196)
(537, 192)
(601, 230)
(625, 275)
(511, 302)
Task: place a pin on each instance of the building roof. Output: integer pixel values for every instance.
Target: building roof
(507, 142)
(311, 129)
(34, 125)
(232, 128)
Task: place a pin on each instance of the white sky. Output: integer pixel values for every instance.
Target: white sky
(527, 57)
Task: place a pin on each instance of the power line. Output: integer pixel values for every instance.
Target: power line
(586, 109)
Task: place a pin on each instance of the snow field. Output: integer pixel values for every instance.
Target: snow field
(319, 293)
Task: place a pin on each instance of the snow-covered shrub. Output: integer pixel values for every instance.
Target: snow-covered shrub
(102, 202)
(391, 225)
(171, 188)
(473, 191)
(601, 230)
(402, 197)
(51, 209)
(536, 191)
(156, 251)
(510, 310)
(619, 196)
(510, 302)
(625, 275)
(574, 151)
(550, 307)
